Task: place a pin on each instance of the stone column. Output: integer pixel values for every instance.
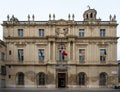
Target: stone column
(49, 52)
(53, 52)
(73, 31)
(69, 51)
(74, 50)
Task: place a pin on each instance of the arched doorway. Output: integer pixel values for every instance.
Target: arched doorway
(41, 79)
(82, 79)
(102, 79)
(21, 77)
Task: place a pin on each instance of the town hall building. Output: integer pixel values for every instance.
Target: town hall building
(62, 53)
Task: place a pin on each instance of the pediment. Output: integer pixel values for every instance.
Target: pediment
(62, 22)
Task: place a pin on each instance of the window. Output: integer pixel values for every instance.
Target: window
(10, 52)
(102, 32)
(3, 70)
(2, 56)
(41, 54)
(82, 79)
(20, 55)
(9, 76)
(81, 55)
(20, 32)
(41, 79)
(41, 32)
(20, 79)
(81, 32)
(91, 15)
(103, 54)
(102, 79)
(9, 66)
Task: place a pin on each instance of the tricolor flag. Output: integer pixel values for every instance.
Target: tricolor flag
(105, 53)
(63, 52)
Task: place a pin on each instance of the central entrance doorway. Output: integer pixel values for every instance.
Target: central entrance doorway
(61, 80)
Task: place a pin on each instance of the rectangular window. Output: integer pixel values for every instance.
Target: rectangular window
(3, 70)
(61, 57)
(81, 55)
(81, 32)
(9, 76)
(102, 32)
(20, 32)
(103, 54)
(41, 32)
(10, 52)
(9, 66)
(20, 55)
(2, 56)
(41, 55)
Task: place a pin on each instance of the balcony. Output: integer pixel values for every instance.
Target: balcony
(62, 62)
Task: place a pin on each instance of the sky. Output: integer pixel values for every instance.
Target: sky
(61, 8)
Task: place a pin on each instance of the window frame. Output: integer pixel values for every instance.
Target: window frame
(102, 32)
(3, 70)
(10, 52)
(20, 32)
(81, 55)
(41, 56)
(81, 32)
(82, 79)
(102, 79)
(2, 56)
(103, 53)
(21, 78)
(20, 55)
(41, 79)
(41, 32)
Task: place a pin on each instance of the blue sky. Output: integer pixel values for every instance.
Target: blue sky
(42, 8)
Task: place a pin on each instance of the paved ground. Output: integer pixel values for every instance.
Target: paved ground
(59, 90)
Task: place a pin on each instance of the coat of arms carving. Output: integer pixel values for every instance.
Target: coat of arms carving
(61, 32)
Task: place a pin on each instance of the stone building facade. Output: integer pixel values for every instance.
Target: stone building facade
(2, 64)
(61, 53)
(119, 71)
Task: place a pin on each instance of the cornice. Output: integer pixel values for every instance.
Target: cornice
(97, 65)
(60, 22)
(98, 38)
(69, 36)
(46, 64)
(22, 38)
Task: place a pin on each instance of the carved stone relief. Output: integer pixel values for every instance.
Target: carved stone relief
(61, 32)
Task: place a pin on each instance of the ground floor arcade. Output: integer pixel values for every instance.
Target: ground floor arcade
(57, 76)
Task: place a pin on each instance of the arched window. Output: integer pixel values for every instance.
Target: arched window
(20, 78)
(102, 79)
(41, 79)
(82, 78)
(91, 15)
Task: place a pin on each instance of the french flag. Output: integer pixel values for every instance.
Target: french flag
(63, 52)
